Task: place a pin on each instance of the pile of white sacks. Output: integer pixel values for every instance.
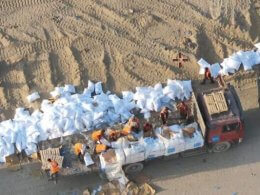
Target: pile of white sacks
(231, 64)
(150, 147)
(75, 112)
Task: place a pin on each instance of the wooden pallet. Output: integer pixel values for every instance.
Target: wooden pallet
(216, 102)
(53, 154)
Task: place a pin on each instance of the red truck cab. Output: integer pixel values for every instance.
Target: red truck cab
(223, 116)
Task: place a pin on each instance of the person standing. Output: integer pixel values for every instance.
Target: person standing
(148, 129)
(54, 170)
(79, 150)
(183, 110)
(207, 76)
(164, 114)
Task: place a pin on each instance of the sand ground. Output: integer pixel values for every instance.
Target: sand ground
(47, 43)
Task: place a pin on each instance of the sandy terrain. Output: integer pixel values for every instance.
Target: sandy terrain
(45, 43)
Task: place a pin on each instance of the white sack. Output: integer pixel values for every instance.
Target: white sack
(34, 96)
(98, 88)
(215, 69)
(134, 153)
(203, 64)
(128, 95)
(257, 45)
(30, 148)
(91, 86)
(69, 89)
(154, 147)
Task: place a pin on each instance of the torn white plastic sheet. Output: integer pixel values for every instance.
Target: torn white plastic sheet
(34, 96)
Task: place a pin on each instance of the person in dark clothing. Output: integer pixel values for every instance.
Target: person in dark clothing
(164, 114)
(148, 129)
(184, 110)
(207, 76)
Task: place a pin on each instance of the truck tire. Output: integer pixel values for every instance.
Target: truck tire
(134, 168)
(221, 147)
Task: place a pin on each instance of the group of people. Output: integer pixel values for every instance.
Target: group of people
(103, 139)
(183, 109)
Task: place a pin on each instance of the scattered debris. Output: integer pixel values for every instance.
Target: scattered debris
(131, 11)
(113, 188)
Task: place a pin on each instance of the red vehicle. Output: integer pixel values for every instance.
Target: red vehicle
(223, 117)
(218, 113)
(220, 117)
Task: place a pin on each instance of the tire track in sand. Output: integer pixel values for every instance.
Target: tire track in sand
(14, 85)
(65, 67)
(26, 49)
(37, 72)
(6, 5)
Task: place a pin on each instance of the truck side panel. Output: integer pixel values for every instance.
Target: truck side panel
(198, 116)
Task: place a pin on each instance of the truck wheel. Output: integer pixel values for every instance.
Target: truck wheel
(134, 168)
(221, 147)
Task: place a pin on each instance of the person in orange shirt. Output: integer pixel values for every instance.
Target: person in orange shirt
(113, 135)
(207, 76)
(79, 150)
(97, 135)
(126, 130)
(101, 148)
(54, 170)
